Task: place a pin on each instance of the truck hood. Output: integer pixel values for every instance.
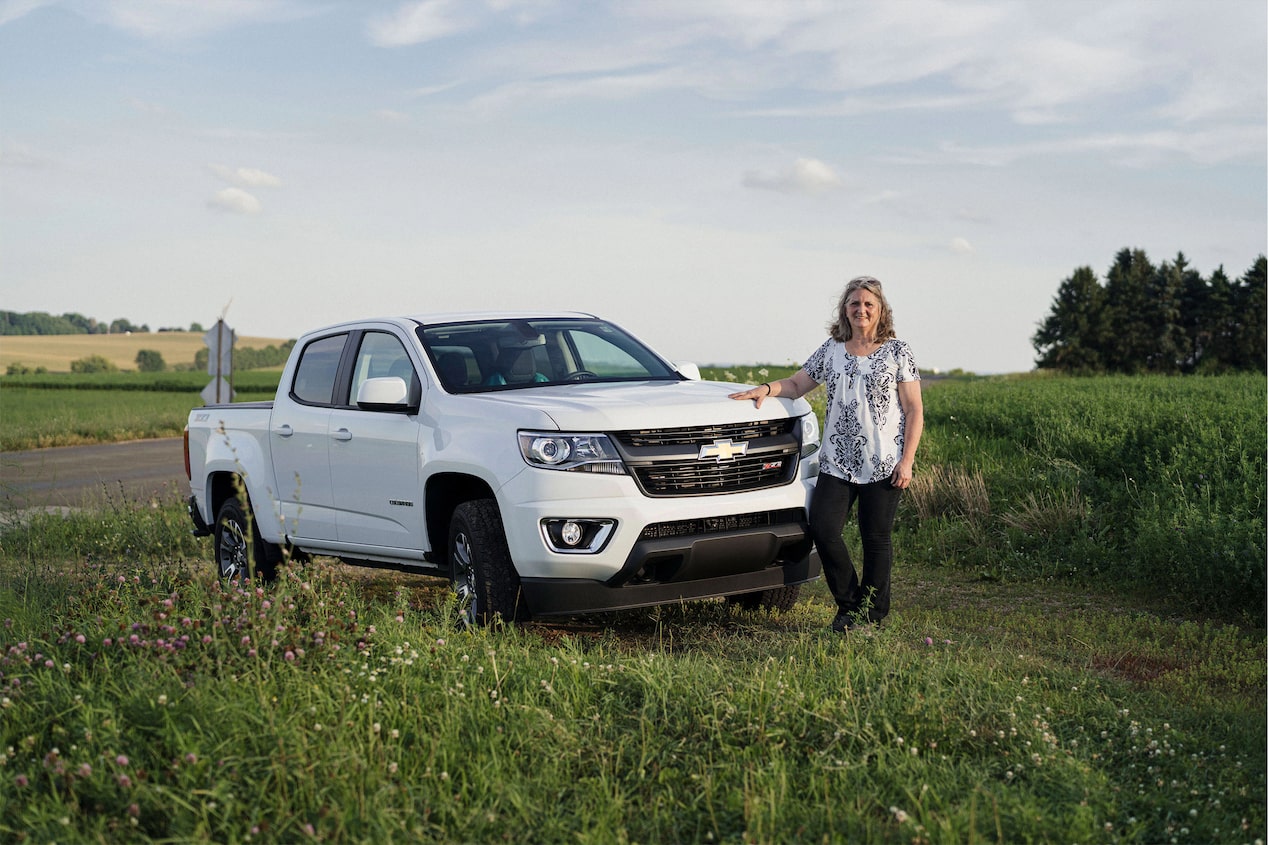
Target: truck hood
(638, 405)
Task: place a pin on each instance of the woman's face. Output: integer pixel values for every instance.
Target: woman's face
(863, 310)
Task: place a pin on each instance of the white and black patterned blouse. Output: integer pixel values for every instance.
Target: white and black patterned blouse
(863, 431)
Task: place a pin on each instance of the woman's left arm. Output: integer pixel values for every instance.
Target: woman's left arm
(913, 426)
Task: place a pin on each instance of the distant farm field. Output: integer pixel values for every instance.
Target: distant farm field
(56, 352)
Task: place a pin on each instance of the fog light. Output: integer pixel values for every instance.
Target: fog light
(577, 536)
(570, 533)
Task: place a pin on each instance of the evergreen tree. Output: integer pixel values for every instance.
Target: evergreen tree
(1209, 319)
(1250, 333)
(1171, 345)
(1070, 338)
(1127, 348)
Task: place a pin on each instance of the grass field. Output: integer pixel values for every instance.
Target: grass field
(56, 352)
(143, 701)
(1076, 654)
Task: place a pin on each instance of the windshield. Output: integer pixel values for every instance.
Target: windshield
(508, 354)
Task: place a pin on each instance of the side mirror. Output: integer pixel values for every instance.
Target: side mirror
(687, 370)
(389, 393)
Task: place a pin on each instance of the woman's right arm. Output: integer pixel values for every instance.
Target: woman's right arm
(795, 386)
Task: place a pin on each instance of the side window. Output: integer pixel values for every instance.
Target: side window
(382, 354)
(318, 365)
(604, 358)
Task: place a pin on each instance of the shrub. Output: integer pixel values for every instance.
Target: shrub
(93, 364)
(150, 361)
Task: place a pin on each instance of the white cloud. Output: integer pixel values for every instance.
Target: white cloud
(11, 10)
(418, 22)
(19, 155)
(184, 19)
(961, 246)
(246, 177)
(234, 201)
(1214, 145)
(806, 176)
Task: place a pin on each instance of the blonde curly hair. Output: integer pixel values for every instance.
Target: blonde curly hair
(840, 328)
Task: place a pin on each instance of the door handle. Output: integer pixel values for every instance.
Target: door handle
(342, 434)
(283, 430)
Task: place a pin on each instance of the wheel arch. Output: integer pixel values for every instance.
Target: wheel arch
(225, 484)
(443, 493)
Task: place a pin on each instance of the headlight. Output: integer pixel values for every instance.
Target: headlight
(578, 452)
(809, 435)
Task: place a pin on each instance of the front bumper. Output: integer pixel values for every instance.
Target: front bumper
(561, 596)
(660, 571)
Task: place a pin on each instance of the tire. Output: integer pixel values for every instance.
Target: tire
(241, 553)
(485, 580)
(778, 600)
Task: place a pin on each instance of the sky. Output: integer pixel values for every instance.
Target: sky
(706, 173)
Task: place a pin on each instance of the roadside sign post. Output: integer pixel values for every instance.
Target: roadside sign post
(219, 342)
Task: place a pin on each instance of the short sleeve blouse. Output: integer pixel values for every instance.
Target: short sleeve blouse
(864, 425)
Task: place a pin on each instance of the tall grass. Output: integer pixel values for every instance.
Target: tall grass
(145, 701)
(1153, 483)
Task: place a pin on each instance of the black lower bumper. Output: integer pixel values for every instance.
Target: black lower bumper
(661, 571)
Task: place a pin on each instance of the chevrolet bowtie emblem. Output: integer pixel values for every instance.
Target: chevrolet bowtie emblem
(723, 450)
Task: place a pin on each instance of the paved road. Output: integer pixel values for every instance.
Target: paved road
(71, 476)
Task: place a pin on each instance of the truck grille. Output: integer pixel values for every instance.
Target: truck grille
(720, 524)
(705, 434)
(669, 462)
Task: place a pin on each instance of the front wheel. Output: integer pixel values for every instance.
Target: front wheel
(485, 580)
(777, 600)
(240, 550)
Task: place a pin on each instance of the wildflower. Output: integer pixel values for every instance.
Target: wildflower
(21, 781)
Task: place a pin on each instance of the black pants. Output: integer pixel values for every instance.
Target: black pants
(829, 506)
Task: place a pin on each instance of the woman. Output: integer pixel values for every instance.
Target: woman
(874, 421)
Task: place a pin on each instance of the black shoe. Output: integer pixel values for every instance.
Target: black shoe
(844, 621)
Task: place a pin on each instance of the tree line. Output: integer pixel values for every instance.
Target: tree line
(1155, 319)
(40, 322)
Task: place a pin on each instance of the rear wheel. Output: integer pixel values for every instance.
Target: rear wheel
(240, 550)
(484, 578)
(777, 600)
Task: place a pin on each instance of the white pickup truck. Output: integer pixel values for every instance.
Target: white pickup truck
(546, 463)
